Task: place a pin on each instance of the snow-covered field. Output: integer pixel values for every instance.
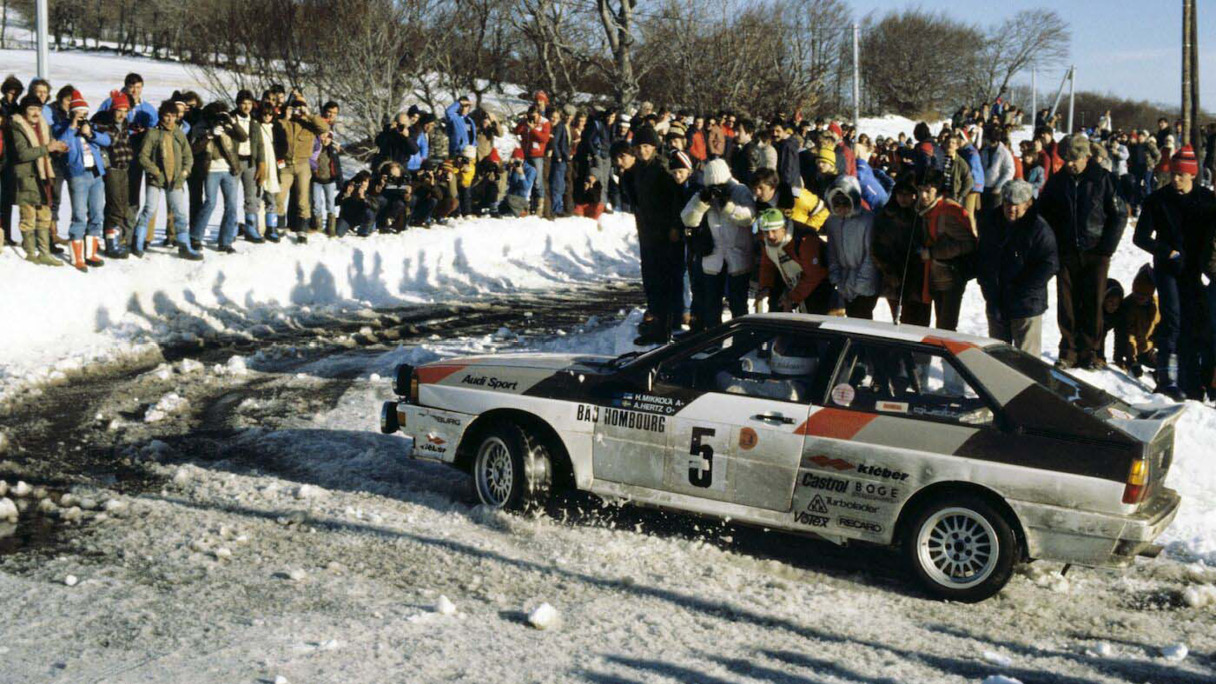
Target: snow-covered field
(291, 540)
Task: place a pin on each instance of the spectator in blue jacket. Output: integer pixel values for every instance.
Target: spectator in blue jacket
(967, 151)
(461, 129)
(420, 133)
(84, 165)
(520, 177)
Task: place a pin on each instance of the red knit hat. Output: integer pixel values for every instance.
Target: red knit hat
(836, 131)
(1184, 161)
(541, 96)
(518, 153)
(78, 101)
(119, 100)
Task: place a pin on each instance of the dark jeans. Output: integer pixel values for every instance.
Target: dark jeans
(663, 281)
(947, 304)
(862, 306)
(1181, 301)
(1080, 289)
(718, 285)
(118, 224)
(557, 187)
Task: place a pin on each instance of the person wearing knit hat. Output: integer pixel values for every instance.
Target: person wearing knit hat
(1174, 227)
(29, 133)
(1136, 324)
(680, 166)
(656, 198)
(1017, 259)
(84, 166)
(645, 136)
(118, 227)
(793, 267)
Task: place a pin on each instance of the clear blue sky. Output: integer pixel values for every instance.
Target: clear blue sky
(1132, 48)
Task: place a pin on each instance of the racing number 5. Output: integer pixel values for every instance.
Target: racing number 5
(697, 476)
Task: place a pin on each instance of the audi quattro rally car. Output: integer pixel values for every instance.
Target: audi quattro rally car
(968, 454)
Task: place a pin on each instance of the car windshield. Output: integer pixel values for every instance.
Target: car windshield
(1076, 392)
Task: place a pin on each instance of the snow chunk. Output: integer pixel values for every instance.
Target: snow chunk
(70, 580)
(444, 606)
(1100, 650)
(168, 405)
(998, 658)
(236, 366)
(1199, 596)
(307, 491)
(544, 616)
(1175, 652)
(21, 489)
(8, 510)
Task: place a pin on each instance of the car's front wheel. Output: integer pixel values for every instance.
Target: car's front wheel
(512, 469)
(961, 549)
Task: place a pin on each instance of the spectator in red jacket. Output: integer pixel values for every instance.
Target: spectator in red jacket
(534, 133)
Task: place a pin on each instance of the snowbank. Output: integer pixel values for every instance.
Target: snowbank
(58, 319)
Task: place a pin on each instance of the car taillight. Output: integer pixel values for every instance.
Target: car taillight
(413, 395)
(1137, 481)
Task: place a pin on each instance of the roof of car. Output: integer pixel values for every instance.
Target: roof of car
(955, 341)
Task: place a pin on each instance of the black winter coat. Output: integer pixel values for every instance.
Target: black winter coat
(1170, 221)
(787, 162)
(1085, 211)
(1016, 263)
(656, 201)
(395, 145)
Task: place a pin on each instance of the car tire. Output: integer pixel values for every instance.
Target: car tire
(512, 469)
(960, 548)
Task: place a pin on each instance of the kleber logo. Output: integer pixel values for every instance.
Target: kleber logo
(825, 462)
(436, 439)
(831, 484)
(879, 471)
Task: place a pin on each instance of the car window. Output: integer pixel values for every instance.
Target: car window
(1059, 383)
(755, 363)
(891, 379)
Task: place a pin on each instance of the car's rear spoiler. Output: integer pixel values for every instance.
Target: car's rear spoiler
(1149, 422)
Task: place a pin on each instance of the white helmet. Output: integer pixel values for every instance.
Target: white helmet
(791, 358)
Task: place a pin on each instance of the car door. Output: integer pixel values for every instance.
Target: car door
(735, 440)
(893, 412)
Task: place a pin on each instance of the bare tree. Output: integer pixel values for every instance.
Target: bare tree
(617, 19)
(1038, 36)
(558, 36)
(918, 63)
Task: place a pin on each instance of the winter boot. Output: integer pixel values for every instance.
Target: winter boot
(43, 241)
(56, 240)
(251, 229)
(331, 226)
(78, 256)
(314, 224)
(1167, 377)
(272, 227)
(91, 246)
(112, 249)
(29, 242)
(184, 251)
(138, 240)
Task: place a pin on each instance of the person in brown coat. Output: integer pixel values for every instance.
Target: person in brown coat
(295, 134)
(1135, 323)
(949, 249)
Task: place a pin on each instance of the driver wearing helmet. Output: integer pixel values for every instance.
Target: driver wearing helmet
(786, 375)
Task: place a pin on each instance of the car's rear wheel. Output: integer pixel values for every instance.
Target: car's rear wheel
(961, 549)
(512, 469)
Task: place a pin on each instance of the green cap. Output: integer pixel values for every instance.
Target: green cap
(769, 219)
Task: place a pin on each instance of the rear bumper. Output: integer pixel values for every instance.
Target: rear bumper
(1085, 538)
(435, 433)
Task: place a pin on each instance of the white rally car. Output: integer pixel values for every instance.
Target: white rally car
(967, 453)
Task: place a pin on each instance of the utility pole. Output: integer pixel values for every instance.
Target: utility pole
(40, 21)
(1034, 94)
(1188, 14)
(856, 77)
(1072, 95)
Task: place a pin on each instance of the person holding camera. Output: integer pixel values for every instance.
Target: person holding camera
(295, 136)
(397, 143)
(84, 164)
(33, 177)
(534, 132)
(355, 207)
(393, 194)
(214, 144)
(520, 177)
(326, 177)
(729, 208)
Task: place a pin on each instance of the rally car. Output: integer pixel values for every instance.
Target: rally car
(967, 454)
